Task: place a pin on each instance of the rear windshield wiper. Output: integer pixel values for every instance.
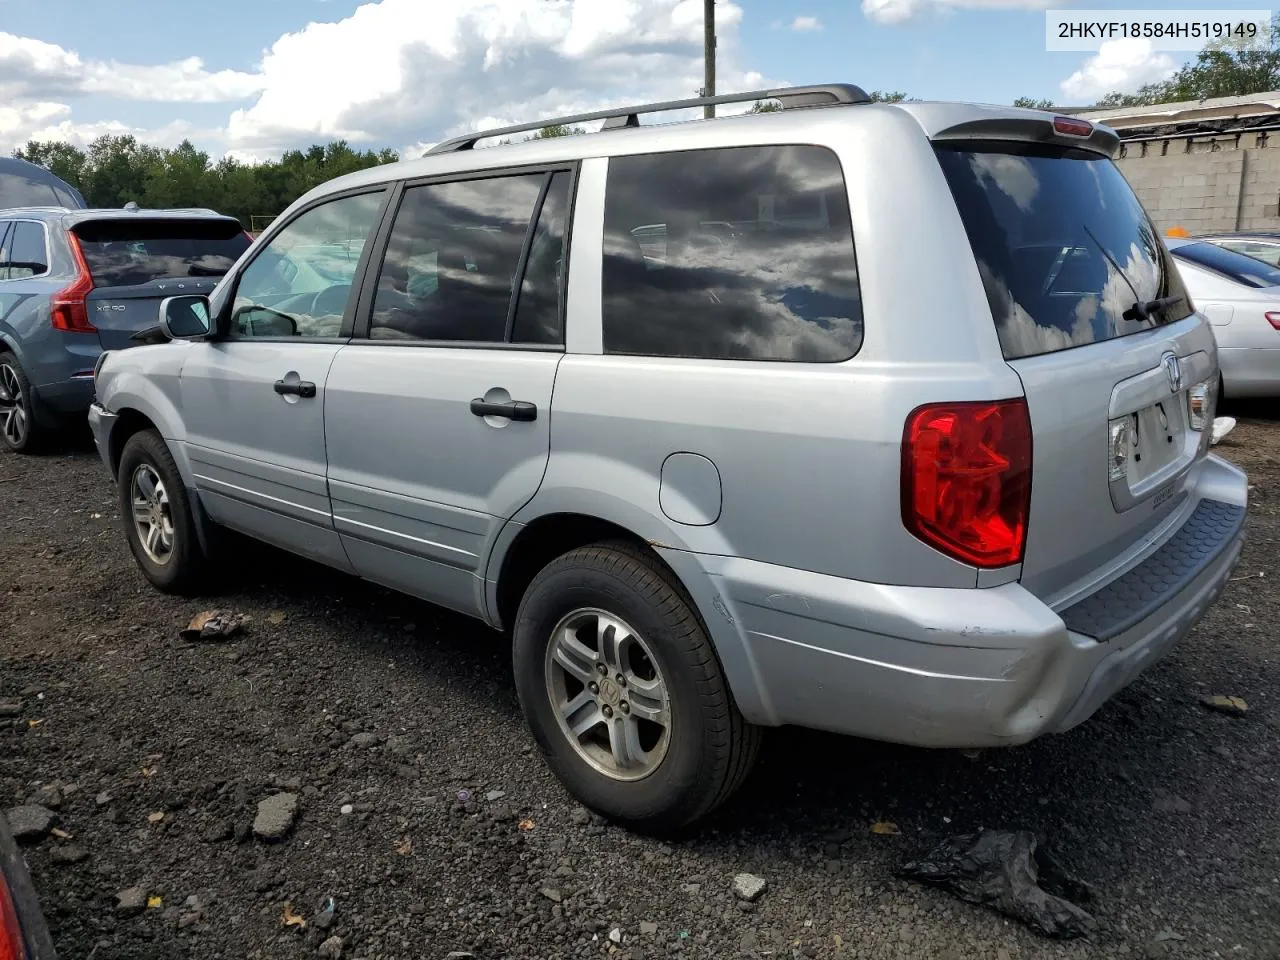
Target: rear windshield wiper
(195, 270)
(1142, 310)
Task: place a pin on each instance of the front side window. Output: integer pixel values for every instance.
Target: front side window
(452, 260)
(300, 283)
(738, 253)
(1063, 246)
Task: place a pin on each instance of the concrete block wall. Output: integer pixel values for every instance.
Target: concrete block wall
(1207, 183)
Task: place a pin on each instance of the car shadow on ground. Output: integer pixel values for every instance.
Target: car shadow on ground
(1117, 782)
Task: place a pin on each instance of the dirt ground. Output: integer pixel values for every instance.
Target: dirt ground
(456, 838)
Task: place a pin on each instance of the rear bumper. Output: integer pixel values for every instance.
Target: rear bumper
(943, 667)
(67, 398)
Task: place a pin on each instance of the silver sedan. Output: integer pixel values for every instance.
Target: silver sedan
(1240, 296)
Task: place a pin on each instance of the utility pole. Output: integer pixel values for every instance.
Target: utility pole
(709, 55)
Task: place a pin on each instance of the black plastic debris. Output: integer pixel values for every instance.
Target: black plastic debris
(1007, 870)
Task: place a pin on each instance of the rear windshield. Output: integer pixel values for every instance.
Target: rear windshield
(1064, 247)
(1237, 266)
(124, 253)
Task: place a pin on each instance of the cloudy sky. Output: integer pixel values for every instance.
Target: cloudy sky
(255, 77)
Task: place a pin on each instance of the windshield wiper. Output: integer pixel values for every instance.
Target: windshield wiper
(195, 270)
(1142, 310)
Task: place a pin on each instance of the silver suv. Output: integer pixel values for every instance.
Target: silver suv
(632, 398)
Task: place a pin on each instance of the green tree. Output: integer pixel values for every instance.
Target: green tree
(887, 96)
(555, 130)
(1223, 69)
(1031, 103)
(766, 106)
(64, 160)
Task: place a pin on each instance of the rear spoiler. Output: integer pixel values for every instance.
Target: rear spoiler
(949, 122)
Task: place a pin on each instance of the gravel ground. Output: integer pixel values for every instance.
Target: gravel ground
(425, 815)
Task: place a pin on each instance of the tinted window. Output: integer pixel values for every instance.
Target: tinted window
(741, 253)
(1063, 246)
(126, 252)
(1236, 266)
(6, 236)
(27, 254)
(300, 282)
(539, 310)
(1266, 252)
(452, 259)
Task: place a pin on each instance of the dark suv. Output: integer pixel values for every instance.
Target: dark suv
(75, 282)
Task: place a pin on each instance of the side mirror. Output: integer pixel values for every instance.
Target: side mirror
(186, 318)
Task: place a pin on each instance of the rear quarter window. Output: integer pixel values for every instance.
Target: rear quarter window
(738, 253)
(1064, 247)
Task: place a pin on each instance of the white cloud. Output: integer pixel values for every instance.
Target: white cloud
(1119, 65)
(394, 72)
(402, 71)
(900, 11)
(805, 24)
(32, 69)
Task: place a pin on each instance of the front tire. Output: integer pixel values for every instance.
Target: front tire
(623, 692)
(157, 515)
(18, 429)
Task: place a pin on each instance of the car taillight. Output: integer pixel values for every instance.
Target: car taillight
(1274, 320)
(966, 479)
(1072, 126)
(11, 947)
(67, 306)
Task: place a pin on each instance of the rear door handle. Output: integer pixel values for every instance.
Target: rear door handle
(511, 409)
(298, 388)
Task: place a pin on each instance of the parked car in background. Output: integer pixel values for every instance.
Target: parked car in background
(1260, 244)
(673, 406)
(1240, 296)
(76, 282)
(24, 184)
(24, 935)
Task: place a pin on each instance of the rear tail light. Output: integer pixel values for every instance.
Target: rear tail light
(1274, 320)
(11, 947)
(68, 309)
(966, 479)
(1072, 127)
(1202, 398)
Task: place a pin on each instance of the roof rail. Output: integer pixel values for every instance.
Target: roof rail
(789, 97)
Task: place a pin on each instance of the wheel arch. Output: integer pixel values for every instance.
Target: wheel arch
(535, 537)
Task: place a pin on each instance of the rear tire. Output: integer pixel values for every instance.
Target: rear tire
(157, 515)
(19, 431)
(645, 630)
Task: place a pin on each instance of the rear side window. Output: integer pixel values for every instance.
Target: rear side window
(1235, 266)
(127, 252)
(23, 252)
(1064, 248)
(739, 253)
(454, 254)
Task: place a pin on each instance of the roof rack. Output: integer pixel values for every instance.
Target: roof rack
(790, 98)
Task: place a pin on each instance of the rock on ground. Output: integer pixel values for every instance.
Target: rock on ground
(275, 818)
(331, 949)
(749, 887)
(131, 902)
(30, 823)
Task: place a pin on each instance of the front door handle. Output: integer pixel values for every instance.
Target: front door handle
(511, 409)
(298, 388)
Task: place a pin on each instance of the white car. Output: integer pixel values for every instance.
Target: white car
(1240, 296)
